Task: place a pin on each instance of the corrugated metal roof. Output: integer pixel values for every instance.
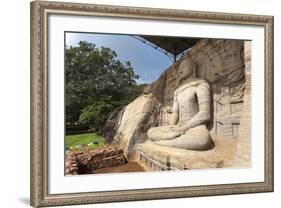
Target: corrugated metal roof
(173, 45)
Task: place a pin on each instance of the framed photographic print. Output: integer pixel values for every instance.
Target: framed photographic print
(140, 103)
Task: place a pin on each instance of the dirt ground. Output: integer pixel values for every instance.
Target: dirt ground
(128, 167)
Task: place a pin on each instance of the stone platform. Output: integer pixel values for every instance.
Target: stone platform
(154, 157)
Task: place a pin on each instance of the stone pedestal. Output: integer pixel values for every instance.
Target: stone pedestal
(155, 157)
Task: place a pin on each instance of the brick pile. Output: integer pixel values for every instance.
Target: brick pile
(88, 161)
(71, 164)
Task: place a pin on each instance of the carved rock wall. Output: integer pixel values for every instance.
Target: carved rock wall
(243, 154)
(221, 63)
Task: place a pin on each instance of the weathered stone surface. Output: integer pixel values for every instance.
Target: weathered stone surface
(221, 64)
(112, 124)
(137, 118)
(191, 111)
(243, 154)
(156, 157)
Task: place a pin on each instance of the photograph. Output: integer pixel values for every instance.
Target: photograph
(138, 103)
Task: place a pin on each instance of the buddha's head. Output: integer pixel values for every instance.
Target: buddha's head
(187, 69)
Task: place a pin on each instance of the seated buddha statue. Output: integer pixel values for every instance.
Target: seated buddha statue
(190, 114)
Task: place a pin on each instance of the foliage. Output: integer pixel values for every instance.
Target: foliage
(96, 82)
(96, 114)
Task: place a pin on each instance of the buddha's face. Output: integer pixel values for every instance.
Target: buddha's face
(186, 70)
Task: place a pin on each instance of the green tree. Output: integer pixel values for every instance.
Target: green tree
(96, 114)
(95, 82)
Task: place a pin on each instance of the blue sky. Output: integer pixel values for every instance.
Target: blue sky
(146, 61)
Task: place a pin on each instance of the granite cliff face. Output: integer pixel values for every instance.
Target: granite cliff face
(136, 119)
(112, 124)
(219, 62)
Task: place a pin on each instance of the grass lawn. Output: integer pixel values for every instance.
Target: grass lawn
(96, 139)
